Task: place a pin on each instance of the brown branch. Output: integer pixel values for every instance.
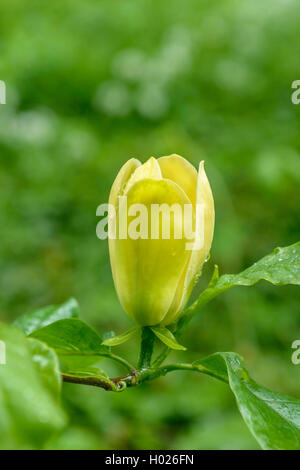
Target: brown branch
(130, 379)
(112, 384)
(87, 381)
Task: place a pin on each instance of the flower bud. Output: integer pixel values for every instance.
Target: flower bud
(155, 258)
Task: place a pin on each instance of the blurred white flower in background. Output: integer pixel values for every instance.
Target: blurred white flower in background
(36, 126)
(113, 98)
(152, 101)
(78, 142)
(141, 81)
(129, 64)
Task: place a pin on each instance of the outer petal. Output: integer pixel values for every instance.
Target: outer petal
(117, 189)
(122, 178)
(148, 270)
(186, 284)
(178, 169)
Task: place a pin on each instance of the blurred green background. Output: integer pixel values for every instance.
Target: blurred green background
(93, 83)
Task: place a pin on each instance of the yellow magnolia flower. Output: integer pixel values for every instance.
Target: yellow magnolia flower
(154, 276)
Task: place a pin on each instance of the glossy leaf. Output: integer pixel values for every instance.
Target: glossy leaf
(273, 418)
(119, 339)
(279, 268)
(29, 412)
(31, 322)
(167, 337)
(47, 366)
(74, 341)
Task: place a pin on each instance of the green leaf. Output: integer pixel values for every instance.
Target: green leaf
(31, 322)
(74, 341)
(279, 268)
(167, 337)
(29, 413)
(213, 365)
(47, 365)
(116, 340)
(273, 418)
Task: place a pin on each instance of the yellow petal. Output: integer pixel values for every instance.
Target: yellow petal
(122, 178)
(117, 189)
(150, 169)
(147, 271)
(178, 169)
(198, 257)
